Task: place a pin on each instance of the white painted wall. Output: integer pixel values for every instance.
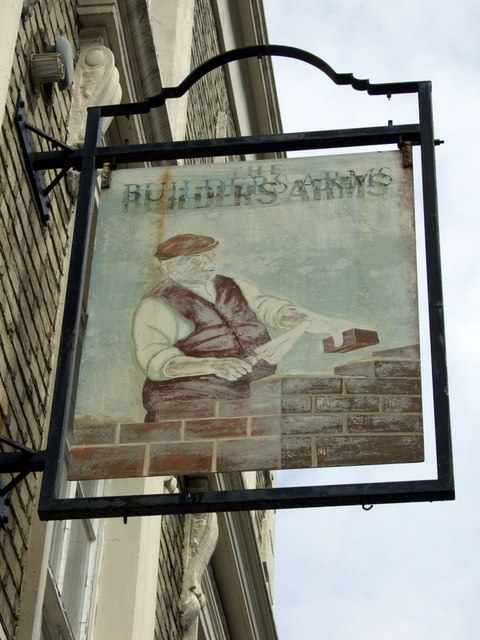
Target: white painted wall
(11, 13)
(172, 29)
(128, 580)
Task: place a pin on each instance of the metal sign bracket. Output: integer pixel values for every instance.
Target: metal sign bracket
(36, 176)
(23, 463)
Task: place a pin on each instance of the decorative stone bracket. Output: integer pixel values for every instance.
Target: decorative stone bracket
(201, 535)
(96, 82)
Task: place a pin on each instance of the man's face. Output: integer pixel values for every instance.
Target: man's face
(191, 270)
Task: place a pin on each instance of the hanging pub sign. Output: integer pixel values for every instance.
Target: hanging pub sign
(252, 315)
(247, 316)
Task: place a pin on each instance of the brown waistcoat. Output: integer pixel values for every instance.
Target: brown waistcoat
(226, 328)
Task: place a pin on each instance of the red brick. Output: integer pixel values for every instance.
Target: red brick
(385, 423)
(93, 434)
(365, 450)
(173, 410)
(106, 462)
(297, 404)
(181, 457)
(297, 453)
(216, 428)
(384, 386)
(328, 404)
(381, 369)
(266, 387)
(144, 432)
(402, 404)
(248, 454)
(411, 351)
(352, 339)
(252, 406)
(398, 369)
(266, 426)
(311, 424)
(307, 384)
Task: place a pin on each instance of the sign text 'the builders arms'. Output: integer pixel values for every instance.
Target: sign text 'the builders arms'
(258, 187)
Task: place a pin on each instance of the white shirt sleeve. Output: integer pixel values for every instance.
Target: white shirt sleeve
(155, 331)
(265, 307)
(157, 327)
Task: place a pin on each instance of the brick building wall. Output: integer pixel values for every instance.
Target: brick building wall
(170, 572)
(209, 96)
(32, 265)
(31, 269)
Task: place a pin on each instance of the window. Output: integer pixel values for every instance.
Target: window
(72, 572)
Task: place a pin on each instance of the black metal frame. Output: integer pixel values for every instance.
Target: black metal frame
(35, 176)
(92, 156)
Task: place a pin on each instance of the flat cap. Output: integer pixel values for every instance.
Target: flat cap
(184, 244)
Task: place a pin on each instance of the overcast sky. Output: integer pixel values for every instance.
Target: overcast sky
(397, 571)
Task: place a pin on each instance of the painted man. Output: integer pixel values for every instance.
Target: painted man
(195, 333)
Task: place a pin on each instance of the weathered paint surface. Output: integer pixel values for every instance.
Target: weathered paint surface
(334, 235)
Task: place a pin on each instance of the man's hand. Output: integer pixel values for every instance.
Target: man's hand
(226, 368)
(291, 317)
(230, 368)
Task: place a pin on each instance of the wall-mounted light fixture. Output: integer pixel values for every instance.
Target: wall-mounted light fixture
(54, 65)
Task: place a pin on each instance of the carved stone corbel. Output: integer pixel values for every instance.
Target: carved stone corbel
(96, 81)
(201, 534)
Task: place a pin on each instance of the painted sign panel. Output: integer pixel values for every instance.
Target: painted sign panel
(252, 315)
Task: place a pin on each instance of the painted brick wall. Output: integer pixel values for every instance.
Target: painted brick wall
(368, 412)
(31, 265)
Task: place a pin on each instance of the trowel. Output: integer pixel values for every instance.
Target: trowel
(274, 350)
